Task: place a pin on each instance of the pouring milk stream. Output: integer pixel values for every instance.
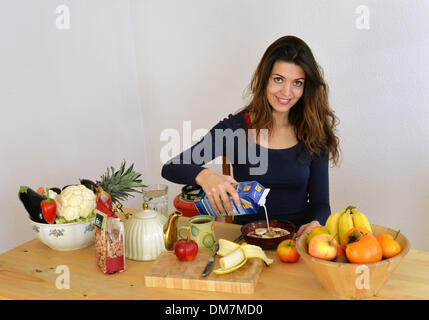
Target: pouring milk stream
(252, 196)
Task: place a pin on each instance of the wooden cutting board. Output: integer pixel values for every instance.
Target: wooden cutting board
(168, 271)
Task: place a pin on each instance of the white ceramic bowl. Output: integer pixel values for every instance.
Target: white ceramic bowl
(66, 236)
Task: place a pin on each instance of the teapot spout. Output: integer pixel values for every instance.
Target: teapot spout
(170, 230)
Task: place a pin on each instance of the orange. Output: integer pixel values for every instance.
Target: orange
(389, 245)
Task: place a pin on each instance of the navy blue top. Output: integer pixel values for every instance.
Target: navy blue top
(299, 184)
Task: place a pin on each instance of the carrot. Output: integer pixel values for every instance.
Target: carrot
(41, 191)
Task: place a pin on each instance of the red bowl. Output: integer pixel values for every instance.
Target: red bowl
(268, 243)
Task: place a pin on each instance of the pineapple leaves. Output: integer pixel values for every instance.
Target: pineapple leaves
(121, 183)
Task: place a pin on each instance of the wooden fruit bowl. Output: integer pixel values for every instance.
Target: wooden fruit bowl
(354, 281)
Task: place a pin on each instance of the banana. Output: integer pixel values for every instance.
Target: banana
(233, 259)
(226, 247)
(251, 251)
(332, 224)
(360, 220)
(345, 223)
(234, 256)
(225, 271)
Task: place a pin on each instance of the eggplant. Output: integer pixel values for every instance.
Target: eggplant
(91, 185)
(31, 201)
(56, 190)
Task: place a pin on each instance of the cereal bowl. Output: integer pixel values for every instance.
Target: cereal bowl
(267, 243)
(65, 236)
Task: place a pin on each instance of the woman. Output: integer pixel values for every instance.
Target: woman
(290, 100)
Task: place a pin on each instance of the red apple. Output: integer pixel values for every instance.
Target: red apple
(340, 250)
(286, 251)
(323, 246)
(186, 249)
(341, 255)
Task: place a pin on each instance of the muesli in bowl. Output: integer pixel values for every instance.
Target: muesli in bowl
(256, 233)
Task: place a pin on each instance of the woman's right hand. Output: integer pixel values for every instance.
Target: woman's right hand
(216, 186)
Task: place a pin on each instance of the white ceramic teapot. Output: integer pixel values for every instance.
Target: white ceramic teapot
(148, 234)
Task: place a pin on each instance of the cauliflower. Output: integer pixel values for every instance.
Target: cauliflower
(75, 202)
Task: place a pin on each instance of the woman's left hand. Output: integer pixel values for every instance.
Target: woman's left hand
(307, 227)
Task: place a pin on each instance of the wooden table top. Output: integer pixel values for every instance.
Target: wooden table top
(29, 272)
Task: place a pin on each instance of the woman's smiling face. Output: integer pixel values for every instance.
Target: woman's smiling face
(285, 86)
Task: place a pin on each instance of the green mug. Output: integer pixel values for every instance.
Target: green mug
(201, 230)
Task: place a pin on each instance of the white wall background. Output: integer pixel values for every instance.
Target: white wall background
(104, 90)
(195, 59)
(69, 100)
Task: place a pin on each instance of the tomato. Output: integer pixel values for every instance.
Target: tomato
(186, 249)
(286, 251)
(361, 246)
(340, 251)
(389, 245)
(341, 255)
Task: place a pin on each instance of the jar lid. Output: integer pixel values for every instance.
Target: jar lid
(145, 214)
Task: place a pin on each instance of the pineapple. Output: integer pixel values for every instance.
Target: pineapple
(121, 183)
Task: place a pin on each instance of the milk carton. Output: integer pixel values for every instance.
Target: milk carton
(252, 195)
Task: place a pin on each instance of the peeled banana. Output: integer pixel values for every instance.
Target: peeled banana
(251, 251)
(234, 256)
(225, 271)
(226, 247)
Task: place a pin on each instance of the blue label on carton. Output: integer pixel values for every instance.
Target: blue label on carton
(252, 195)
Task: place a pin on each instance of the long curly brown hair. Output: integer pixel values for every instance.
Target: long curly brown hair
(312, 118)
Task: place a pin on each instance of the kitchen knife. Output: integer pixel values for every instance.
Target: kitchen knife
(210, 263)
(238, 239)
